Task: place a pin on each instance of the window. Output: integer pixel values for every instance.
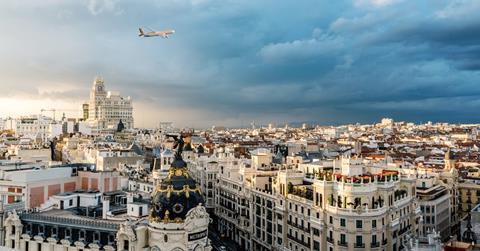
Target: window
(359, 241)
(342, 222)
(374, 223)
(331, 220)
(343, 239)
(374, 238)
(359, 224)
(316, 232)
(96, 237)
(70, 203)
(316, 246)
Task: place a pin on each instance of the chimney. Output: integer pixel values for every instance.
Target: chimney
(105, 206)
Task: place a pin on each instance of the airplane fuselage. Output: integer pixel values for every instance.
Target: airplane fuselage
(164, 34)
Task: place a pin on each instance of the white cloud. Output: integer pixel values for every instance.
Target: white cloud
(347, 63)
(375, 3)
(96, 7)
(320, 44)
(459, 9)
(365, 22)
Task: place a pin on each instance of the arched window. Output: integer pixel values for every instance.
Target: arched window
(111, 239)
(96, 237)
(81, 235)
(54, 232)
(68, 233)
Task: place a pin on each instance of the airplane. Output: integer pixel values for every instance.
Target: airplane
(152, 33)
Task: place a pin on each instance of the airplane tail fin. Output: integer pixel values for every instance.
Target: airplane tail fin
(141, 32)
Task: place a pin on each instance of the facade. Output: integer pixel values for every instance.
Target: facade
(344, 205)
(107, 108)
(469, 191)
(434, 200)
(174, 219)
(37, 128)
(85, 111)
(34, 187)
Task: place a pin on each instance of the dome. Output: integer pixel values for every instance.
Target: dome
(175, 195)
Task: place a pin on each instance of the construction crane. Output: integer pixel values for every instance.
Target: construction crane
(48, 110)
(54, 111)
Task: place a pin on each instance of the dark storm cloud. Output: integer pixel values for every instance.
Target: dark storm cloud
(231, 61)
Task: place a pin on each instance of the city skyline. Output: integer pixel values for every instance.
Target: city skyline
(233, 62)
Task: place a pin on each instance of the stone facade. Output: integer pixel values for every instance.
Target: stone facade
(107, 108)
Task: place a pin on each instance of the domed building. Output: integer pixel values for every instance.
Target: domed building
(178, 220)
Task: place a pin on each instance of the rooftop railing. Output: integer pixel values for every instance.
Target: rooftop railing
(83, 223)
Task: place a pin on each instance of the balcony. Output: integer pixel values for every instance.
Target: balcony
(403, 230)
(342, 244)
(395, 223)
(359, 245)
(384, 242)
(356, 188)
(375, 244)
(330, 240)
(356, 212)
(403, 201)
(302, 242)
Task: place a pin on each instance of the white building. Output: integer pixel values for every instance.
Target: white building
(107, 109)
(36, 127)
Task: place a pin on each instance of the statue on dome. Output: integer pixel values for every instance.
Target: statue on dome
(179, 142)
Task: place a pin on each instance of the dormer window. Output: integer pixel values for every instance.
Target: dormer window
(82, 235)
(96, 237)
(68, 233)
(54, 232)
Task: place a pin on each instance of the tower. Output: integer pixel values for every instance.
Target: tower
(449, 160)
(178, 220)
(97, 95)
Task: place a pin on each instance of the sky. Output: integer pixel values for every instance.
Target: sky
(231, 62)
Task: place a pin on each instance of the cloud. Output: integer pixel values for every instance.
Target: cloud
(375, 3)
(96, 7)
(303, 49)
(347, 63)
(459, 9)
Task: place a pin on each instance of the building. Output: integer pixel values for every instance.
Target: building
(434, 200)
(37, 128)
(108, 108)
(85, 111)
(174, 219)
(343, 204)
(469, 190)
